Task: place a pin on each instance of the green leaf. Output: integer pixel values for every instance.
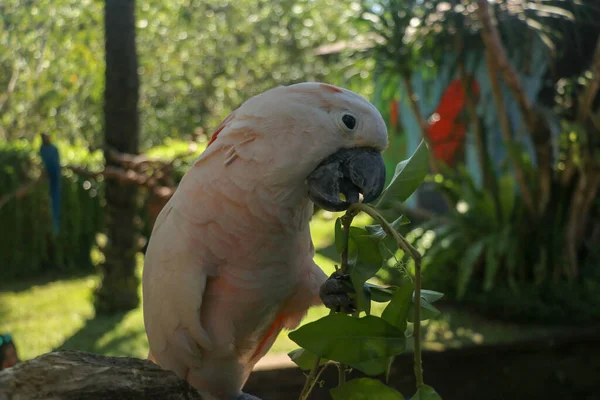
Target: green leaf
(427, 311)
(369, 261)
(374, 367)
(551, 10)
(365, 389)
(431, 296)
(304, 359)
(540, 269)
(376, 231)
(511, 262)
(352, 252)
(364, 300)
(492, 262)
(381, 294)
(396, 312)
(486, 208)
(368, 249)
(429, 307)
(407, 178)
(466, 266)
(507, 193)
(426, 393)
(349, 340)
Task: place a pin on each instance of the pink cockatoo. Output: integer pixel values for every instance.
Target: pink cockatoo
(230, 259)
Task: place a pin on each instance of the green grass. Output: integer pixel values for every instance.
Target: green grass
(57, 313)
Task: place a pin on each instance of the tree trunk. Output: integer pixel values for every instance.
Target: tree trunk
(118, 290)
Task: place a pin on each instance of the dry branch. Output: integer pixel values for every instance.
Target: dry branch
(474, 121)
(582, 201)
(493, 42)
(506, 134)
(588, 96)
(489, 180)
(537, 127)
(587, 172)
(424, 127)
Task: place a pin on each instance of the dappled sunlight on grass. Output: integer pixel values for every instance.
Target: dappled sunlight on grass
(114, 335)
(41, 317)
(48, 314)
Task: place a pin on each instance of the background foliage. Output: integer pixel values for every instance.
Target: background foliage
(522, 244)
(28, 246)
(198, 61)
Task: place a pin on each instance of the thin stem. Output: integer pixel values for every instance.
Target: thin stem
(310, 380)
(346, 223)
(313, 375)
(416, 256)
(341, 374)
(352, 211)
(417, 326)
(310, 384)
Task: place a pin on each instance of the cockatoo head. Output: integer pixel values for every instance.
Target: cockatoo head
(325, 138)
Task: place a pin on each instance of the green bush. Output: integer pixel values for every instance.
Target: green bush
(505, 265)
(28, 246)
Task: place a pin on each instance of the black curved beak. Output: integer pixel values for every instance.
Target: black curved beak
(351, 172)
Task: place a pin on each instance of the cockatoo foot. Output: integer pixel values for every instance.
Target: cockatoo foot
(337, 293)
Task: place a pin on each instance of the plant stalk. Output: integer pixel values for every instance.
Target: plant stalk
(312, 377)
(346, 223)
(341, 374)
(416, 256)
(312, 380)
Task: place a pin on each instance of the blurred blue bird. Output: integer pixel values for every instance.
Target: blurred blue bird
(51, 160)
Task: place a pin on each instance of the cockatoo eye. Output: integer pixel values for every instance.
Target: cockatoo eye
(349, 121)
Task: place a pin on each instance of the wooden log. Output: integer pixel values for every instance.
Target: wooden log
(70, 375)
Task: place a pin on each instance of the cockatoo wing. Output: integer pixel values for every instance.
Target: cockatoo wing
(172, 312)
(185, 245)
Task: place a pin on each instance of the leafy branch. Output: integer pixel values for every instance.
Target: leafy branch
(314, 374)
(416, 256)
(370, 343)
